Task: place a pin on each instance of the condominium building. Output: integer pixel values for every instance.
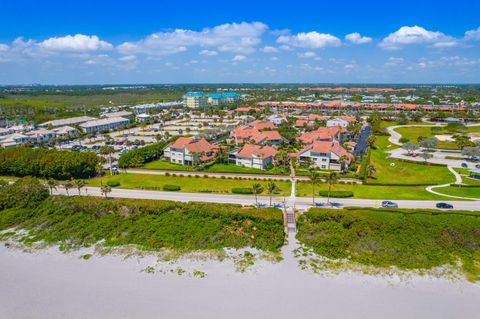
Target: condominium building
(106, 124)
(68, 121)
(188, 150)
(195, 100)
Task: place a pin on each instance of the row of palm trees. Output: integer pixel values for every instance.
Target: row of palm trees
(74, 183)
(316, 178)
(257, 189)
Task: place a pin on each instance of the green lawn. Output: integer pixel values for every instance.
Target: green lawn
(471, 192)
(215, 168)
(407, 239)
(372, 191)
(412, 133)
(187, 184)
(404, 172)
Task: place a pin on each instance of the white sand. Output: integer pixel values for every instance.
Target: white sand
(49, 284)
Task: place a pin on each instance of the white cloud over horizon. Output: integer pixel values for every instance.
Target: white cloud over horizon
(357, 38)
(312, 40)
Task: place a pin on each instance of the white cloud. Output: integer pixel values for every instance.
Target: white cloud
(208, 53)
(473, 34)
(230, 37)
(356, 38)
(274, 58)
(239, 58)
(128, 58)
(75, 43)
(417, 35)
(269, 49)
(313, 40)
(308, 54)
(286, 48)
(4, 47)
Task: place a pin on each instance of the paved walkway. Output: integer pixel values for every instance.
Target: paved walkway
(395, 136)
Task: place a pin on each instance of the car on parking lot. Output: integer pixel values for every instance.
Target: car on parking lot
(444, 205)
(389, 204)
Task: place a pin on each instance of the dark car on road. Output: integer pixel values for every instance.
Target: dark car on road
(389, 204)
(444, 205)
(464, 165)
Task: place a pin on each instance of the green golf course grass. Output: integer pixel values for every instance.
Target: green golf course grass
(413, 133)
(470, 192)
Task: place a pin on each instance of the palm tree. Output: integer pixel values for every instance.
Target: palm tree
(271, 189)
(371, 170)
(108, 150)
(343, 160)
(52, 185)
(331, 179)
(68, 185)
(314, 177)
(79, 184)
(99, 170)
(105, 190)
(256, 189)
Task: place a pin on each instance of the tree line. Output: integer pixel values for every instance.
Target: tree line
(47, 163)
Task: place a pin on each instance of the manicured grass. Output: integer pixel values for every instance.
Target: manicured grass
(165, 165)
(187, 184)
(151, 225)
(470, 181)
(404, 172)
(215, 168)
(406, 239)
(412, 133)
(471, 192)
(372, 191)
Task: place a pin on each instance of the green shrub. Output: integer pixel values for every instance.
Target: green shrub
(239, 190)
(113, 183)
(47, 163)
(337, 194)
(171, 188)
(26, 192)
(404, 140)
(142, 155)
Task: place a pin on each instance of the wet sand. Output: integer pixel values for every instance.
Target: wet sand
(50, 284)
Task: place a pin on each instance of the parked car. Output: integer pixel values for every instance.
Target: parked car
(444, 205)
(277, 205)
(260, 205)
(464, 165)
(477, 166)
(389, 204)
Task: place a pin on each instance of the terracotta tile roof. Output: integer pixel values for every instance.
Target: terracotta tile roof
(262, 125)
(300, 123)
(267, 136)
(313, 117)
(263, 152)
(322, 133)
(327, 147)
(193, 145)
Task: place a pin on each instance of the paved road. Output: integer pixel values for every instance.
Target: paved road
(395, 136)
(298, 202)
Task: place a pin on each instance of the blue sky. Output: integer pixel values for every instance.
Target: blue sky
(95, 42)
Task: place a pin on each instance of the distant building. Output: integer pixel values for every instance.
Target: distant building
(106, 124)
(342, 121)
(144, 117)
(117, 114)
(195, 100)
(188, 150)
(68, 121)
(199, 99)
(13, 140)
(254, 156)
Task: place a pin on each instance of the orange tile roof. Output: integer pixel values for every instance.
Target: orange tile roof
(193, 145)
(262, 125)
(263, 152)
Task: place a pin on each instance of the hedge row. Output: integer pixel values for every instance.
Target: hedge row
(47, 163)
(239, 190)
(337, 194)
(171, 188)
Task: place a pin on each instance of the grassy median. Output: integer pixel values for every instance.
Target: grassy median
(407, 239)
(198, 184)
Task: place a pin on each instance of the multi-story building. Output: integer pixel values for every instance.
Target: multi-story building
(106, 124)
(68, 121)
(188, 150)
(325, 155)
(254, 156)
(195, 100)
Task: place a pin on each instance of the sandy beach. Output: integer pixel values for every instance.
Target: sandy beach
(50, 284)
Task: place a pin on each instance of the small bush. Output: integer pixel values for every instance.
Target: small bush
(171, 188)
(337, 194)
(244, 190)
(113, 183)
